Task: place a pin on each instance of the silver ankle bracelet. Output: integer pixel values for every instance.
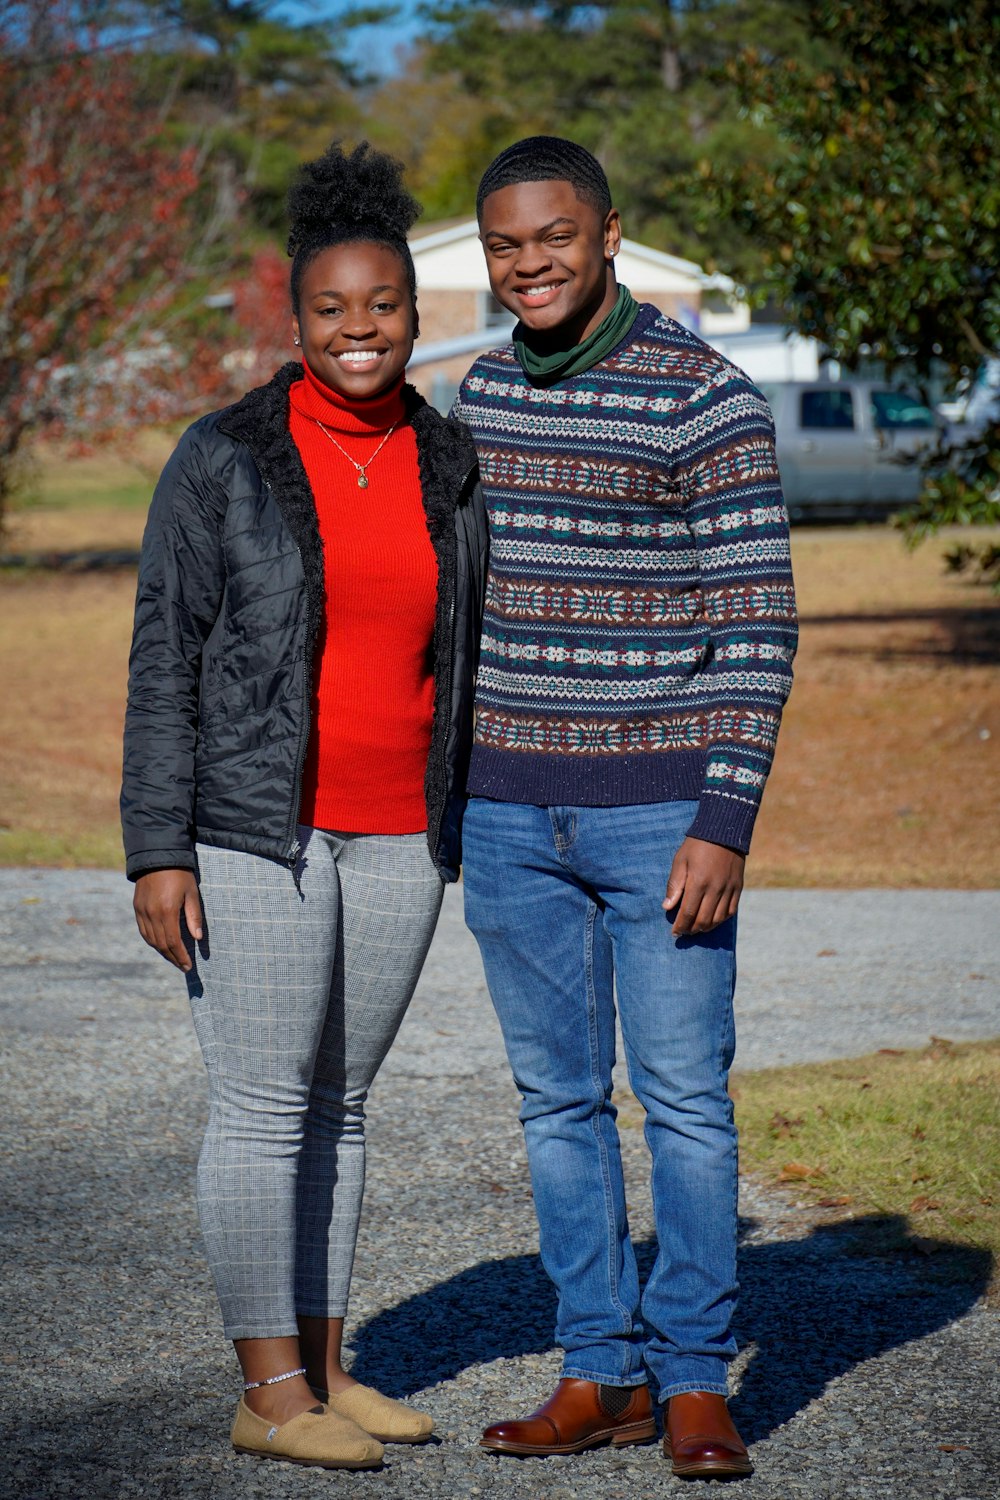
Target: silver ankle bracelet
(255, 1385)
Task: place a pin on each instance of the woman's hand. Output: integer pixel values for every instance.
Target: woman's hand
(159, 899)
(705, 883)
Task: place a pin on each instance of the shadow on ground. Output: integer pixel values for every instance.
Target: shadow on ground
(811, 1309)
(969, 634)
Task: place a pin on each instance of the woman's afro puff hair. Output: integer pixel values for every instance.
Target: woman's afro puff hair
(341, 198)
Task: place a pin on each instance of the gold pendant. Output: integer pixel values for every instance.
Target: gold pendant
(362, 480)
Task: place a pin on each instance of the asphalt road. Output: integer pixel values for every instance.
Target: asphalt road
(823, 974)
(860, 1375)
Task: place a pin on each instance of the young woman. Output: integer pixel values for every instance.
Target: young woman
(296, 741)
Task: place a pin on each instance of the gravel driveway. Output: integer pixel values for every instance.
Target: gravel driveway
(860, 1375)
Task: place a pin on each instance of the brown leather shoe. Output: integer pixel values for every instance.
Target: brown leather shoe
(701, 1441)
(581, 1414)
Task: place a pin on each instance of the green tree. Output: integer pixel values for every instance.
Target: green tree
(258, 91)
(876, 223)
(640, 82)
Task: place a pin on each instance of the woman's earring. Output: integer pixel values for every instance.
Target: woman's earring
(296, 341)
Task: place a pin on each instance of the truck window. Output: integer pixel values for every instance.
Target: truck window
(892, 409)
(829, 408)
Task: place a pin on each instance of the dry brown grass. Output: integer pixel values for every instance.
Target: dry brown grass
(888, 765)
(883, 776)
(63, 672)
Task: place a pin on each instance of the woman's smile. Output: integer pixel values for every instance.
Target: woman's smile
(359, 356)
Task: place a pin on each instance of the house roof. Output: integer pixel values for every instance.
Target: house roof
(441, 226)
(447, 255)
(473, 342)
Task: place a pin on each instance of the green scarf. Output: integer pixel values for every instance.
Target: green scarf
(546, 369)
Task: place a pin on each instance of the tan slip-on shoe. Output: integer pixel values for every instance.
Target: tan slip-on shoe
(391, 1421)
(324, 1439)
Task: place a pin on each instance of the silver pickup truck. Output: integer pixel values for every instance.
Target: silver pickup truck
(843, 446)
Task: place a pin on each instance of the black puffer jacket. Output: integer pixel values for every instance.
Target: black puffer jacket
(228, 610)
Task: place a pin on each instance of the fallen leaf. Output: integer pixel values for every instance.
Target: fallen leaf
(954, 1448)
(782, 1125)
(31, 900)
(924, 1205)
(835, 1202)
(891, 1052)
(797, 1171)
(827, 953)
(920, 1177)
(74, 922)
(919, 1133)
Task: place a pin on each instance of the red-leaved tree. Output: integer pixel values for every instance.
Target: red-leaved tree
(97, 242)
(262, 315)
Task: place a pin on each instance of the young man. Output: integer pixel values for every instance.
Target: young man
(636, 654)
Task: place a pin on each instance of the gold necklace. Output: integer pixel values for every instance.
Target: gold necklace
(362, 476)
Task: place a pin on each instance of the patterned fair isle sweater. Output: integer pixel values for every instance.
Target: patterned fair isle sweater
(640, 617)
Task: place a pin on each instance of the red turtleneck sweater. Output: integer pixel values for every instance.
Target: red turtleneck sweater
(373, 684)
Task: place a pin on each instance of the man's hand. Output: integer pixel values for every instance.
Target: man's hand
(705, 882)
(159, 899)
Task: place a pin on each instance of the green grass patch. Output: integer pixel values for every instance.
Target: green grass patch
(910, 1137)
(97, 848)
(119, 477)
(85, 483)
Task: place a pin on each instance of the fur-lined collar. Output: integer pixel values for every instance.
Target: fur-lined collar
(260, 420)
(445, 452)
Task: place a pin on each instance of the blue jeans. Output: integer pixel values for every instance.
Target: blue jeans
(565, 905)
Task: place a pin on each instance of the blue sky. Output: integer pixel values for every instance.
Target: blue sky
(372, 46)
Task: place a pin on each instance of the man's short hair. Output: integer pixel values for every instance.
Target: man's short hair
(547, 158)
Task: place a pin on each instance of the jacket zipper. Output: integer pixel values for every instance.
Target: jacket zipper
(294, 847)
(435, 842)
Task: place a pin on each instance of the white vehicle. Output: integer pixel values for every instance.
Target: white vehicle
(976, 404)
(846, 447)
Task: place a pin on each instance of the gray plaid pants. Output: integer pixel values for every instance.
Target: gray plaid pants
(297, 993)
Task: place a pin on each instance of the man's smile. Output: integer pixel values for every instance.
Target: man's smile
(540, 295)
